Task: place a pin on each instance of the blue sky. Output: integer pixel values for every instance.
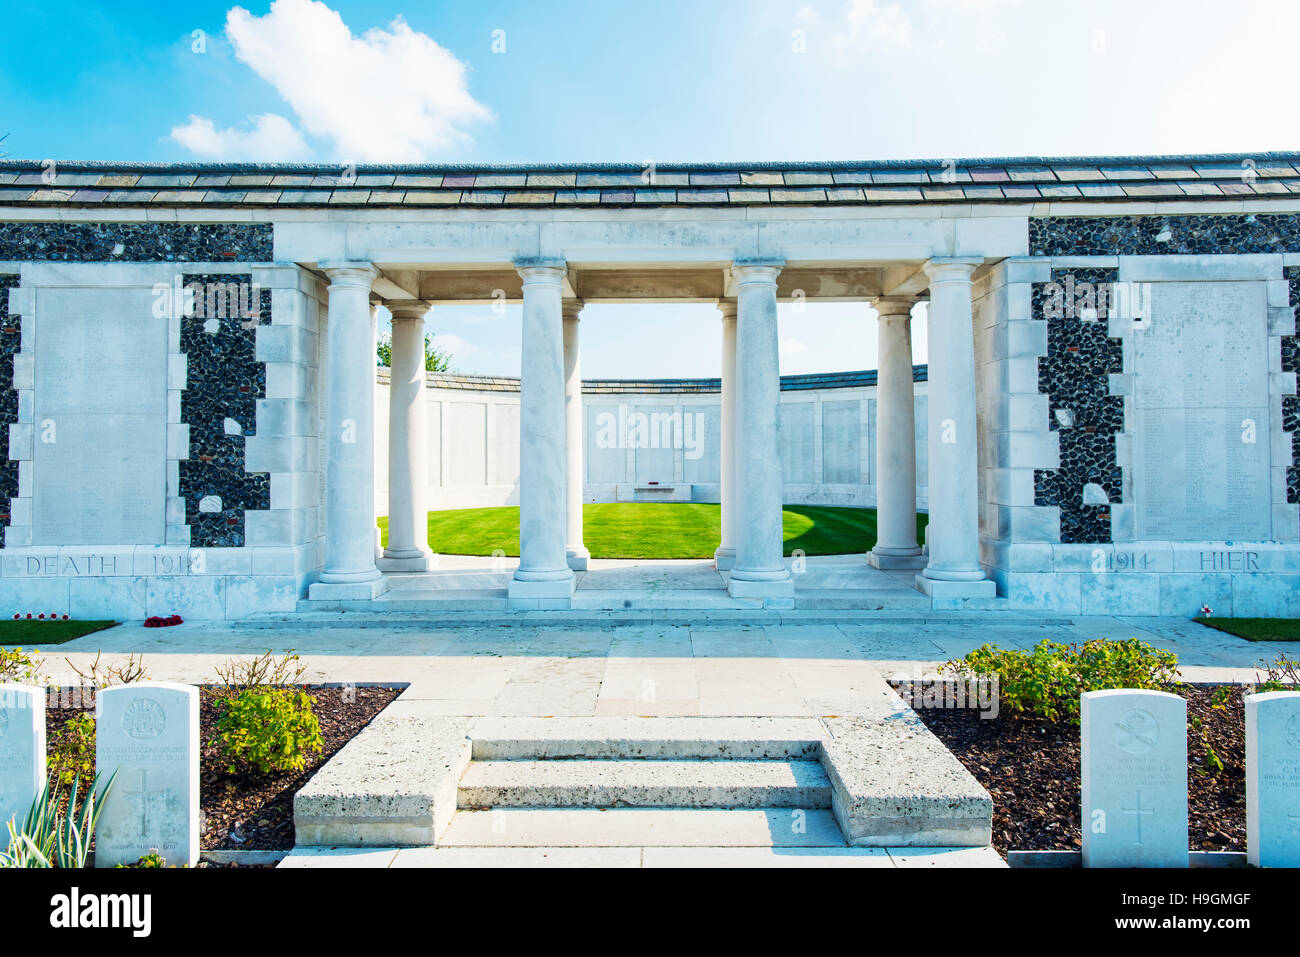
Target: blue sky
(581, 80)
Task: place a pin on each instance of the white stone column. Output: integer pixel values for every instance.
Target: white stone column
(896, 545)
(543, 578)
(575, 552)
(350, 571)
(724, 557)
(953, 569)
(759, 571)
(408, 516)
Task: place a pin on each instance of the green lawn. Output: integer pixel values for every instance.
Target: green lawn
(24, 632)
(653, 530)
(1257, 629)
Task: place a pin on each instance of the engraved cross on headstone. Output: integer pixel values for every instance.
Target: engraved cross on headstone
(1139, 812)
(144, 800)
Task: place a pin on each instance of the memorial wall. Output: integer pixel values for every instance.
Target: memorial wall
(645, 434)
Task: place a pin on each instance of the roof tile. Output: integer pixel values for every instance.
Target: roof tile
(798, 178)
(702, 196)
(892, 194)
(761, 178)
(986, 175)
(845, 194)
(512, 180)
(433, 197)
(610, 179)
(715, 179)
(417, 179)
(551, 179)
(746, 194)
(531, 196)
(629, 196)
(577, 196)
(801, 194)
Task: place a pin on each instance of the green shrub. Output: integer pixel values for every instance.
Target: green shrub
(72, 754)
(19, 667)
(1046, 681)
(269, 729)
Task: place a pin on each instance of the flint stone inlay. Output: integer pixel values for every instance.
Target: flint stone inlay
(136, 242)
(224, 382)
(10, 343)
(1164, 235)
(1075, 375)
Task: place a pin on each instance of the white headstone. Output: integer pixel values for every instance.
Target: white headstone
(1133, 764)
(1273, 779)
(149, 734)
(22, 751)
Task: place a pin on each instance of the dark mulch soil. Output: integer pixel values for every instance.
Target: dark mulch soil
(245, 811)
(1031, 768)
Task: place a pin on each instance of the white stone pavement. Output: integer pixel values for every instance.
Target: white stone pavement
(878, 857)
(597, 666)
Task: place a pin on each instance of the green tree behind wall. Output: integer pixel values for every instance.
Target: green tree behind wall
(434, 359)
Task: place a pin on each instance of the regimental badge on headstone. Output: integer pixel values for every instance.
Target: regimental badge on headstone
(148, 733)
(1133, 766)
(1273, 779)
(22, 750)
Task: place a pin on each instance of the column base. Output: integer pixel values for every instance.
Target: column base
(577, 557)
(935, 588)
(347, 591)
(404, 561)
(895, 558)
(551, 593)
(724, 558)
(781, 589)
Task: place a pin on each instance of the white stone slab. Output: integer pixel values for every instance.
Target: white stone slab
(101, 415)
(22, 750)
(149, 734)
(1201, 400)
(1273, 779)
(1134, 776)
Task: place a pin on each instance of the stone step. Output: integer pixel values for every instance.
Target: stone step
(679, 599)
(637, 783)
(643, 827)
(861, 599)
(507, 739)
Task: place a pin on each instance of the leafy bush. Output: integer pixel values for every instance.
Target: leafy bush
(1280, 674)
(270, 729)
(1046, 681)
(72, 754)
(264, 671)
(57, 830)
(19, 667)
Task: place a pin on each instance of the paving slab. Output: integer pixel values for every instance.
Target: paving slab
(394, 784)
(896, 784)
(638, 783)
(499, 738)
(644, 827)
(875, 857)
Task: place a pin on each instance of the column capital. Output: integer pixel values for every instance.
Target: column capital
(541, 270)
(728, 309)
(349, 273)
(746, 271)
(950, 269)
(895, 307)
(571, 309)
(408, 310)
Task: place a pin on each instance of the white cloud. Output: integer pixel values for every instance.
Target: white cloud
(271, 137)
(454, 345)
(868, 20)
(389, 95)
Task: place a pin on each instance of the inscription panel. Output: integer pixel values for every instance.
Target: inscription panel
(101, 418)
(1201, 455)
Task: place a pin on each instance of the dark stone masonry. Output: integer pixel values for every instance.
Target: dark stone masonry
(1291, 403)
(136, 242)
(1074, 377)
(10, 336)
(1164, 235)
(219, 404)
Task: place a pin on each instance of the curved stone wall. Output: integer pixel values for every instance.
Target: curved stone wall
(650, 439)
